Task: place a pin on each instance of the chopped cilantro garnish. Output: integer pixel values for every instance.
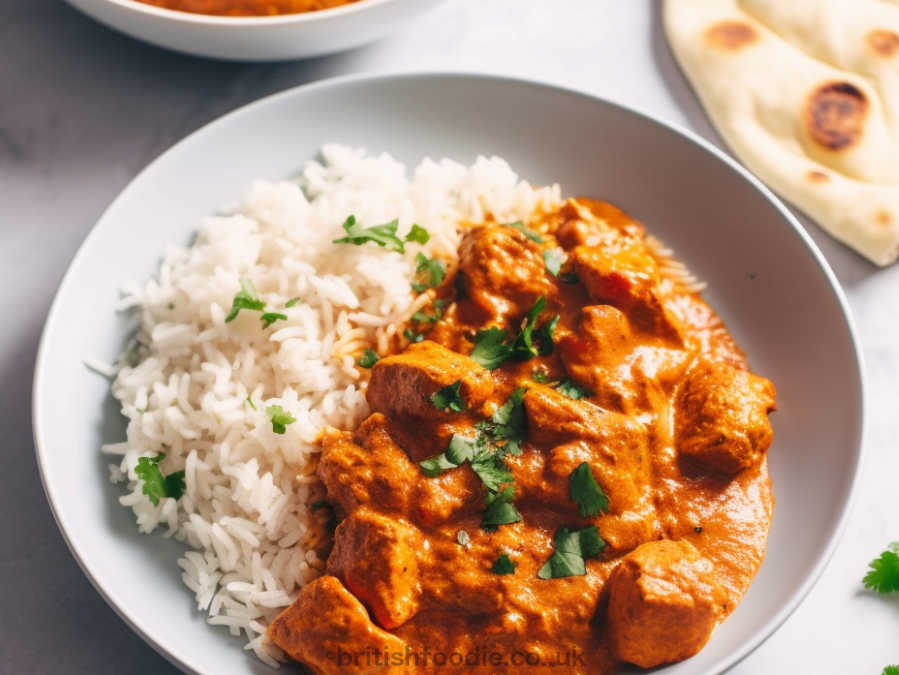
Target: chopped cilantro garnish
(544, 336)
(418, 234)
(434, 466)
(383, 235)
(489, 350)
(280, 418)
(883, 575)
(586, 492)
(156, 485)
(461, 449)
(449, 398)
(530, 234)
(423, 317)
(500, 509)
(368, 359)
(540, 376)
(553, 260)
(429, 273)
(412, 336)
(292, 302)
(569, 278)
(571, 390)
(509, 422)
(503, 565)
(245, 298)
(250, 401)
(270, 317)
(572, 548)
(490, 468)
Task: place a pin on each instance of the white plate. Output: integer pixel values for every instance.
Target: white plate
(257, 38)
(766, 278)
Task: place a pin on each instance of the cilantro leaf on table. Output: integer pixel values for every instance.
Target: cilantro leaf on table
(383, 235)
(883, 575)
(890, 670)
(245, 298)
(157, 485)
(503, 565)
(280, 418)
(571, 550)
(586, 492)
(449, 399)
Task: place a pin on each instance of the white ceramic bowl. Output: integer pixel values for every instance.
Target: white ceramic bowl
(766, 278)
(268, 38)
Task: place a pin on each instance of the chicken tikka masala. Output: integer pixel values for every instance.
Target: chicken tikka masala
(566, 466)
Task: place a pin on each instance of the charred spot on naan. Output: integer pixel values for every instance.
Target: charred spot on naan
(883, 42)
(835, 114)
(815, 176)
(731, 35)
(883, 218)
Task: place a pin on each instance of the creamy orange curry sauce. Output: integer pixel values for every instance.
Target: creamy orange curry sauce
(600, 496)
(248, 7)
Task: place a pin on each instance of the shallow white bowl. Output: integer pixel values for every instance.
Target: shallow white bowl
(766, 278)
(264, 38)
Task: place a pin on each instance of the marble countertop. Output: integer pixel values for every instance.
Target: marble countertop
(83, 109)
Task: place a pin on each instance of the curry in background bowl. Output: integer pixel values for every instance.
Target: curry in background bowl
(248, 7)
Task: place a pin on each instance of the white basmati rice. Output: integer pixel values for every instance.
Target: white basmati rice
(252, 538)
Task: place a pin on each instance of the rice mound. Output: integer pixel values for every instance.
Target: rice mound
(197, 388)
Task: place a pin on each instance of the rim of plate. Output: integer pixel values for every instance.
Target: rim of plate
(240, 21)
(186, 661)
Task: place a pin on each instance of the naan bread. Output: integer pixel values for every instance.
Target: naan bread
(806, 93)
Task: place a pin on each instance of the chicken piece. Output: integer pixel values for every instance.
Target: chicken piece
(373, 470)
(375, 557)
(621, 372)
(664, 603)
(553, 419)
(504, 271)
(722, 417)
(622, 273)
(401, 386)
(328, 629)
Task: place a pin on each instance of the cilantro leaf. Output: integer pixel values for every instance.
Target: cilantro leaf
(418, 234)
(449, 398)
(412, 336)
(422, 317)
(509, 422)
(540, 376)
(571, 390)
(503, 565)
(250, 401)
(883, 575)
(500, 509)
(383, 235)
(489, 348)
(245, 298)
(544, 336)
(491, 469)
(530, 234)
(586, 492)
(292, 302)
(890, 670)
(369, 358)
(270, 317)
(280, 418)
(553, 260)
(429, 273)
(436, 465)
(572, 548)
(461, 449)
(156, 485)
(523, 345)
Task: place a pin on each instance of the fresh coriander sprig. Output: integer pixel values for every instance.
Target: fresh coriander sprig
(157, 485)
(280, 418)
(586, 492)
(883, 573)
